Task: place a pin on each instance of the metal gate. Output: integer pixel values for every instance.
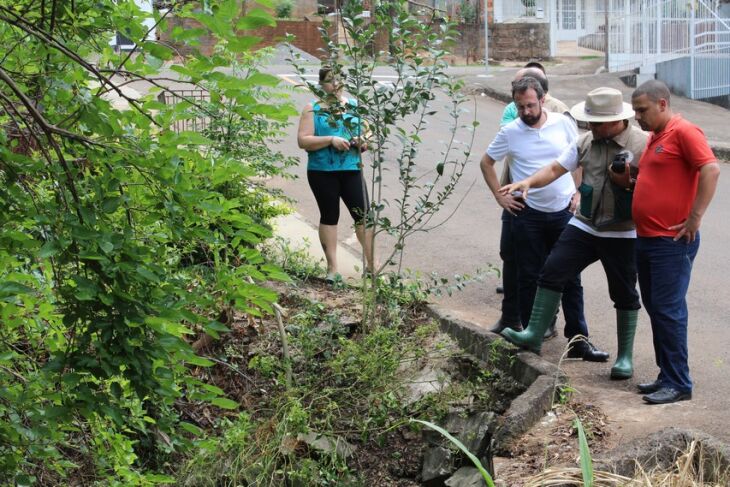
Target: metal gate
(686, 44)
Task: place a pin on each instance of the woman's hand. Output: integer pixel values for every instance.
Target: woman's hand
(359, 143)
(340, 144)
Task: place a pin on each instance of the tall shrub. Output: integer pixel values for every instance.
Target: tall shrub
(120, 237)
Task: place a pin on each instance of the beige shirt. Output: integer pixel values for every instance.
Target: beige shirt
(604, 206)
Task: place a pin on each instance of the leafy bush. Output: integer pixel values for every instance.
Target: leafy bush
(283, 8)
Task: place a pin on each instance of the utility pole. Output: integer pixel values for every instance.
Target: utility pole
(486, 35)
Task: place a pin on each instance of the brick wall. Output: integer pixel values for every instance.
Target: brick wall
(520, 41)
(307, 35)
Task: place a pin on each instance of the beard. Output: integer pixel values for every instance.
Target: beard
(531, 120)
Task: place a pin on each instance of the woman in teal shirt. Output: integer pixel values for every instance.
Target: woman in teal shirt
(329, 131)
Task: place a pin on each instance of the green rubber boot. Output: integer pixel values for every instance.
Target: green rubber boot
(543, 310)
(626, 329)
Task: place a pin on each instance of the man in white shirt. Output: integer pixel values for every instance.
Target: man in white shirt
(534, 140)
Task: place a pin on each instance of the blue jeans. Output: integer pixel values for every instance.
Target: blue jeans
(510, 283)
(535, 233)
(664, 269)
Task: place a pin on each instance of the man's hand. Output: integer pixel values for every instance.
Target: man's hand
(520, 187)
(687, 229)
(509, 202)
(574, 202)
(624, 179)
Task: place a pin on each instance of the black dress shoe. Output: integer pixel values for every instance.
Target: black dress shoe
(585, 350)
(649, 387)
(667, 395)
(499, 290)
(501, 325)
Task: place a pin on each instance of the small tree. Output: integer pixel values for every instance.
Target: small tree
(397, 114)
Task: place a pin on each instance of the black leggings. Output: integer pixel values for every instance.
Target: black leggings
(329, 186)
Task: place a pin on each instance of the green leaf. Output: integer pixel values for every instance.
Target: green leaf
(184, 35)
(12, 288)
(8, 356)
(49, 249)
(110, 205)
(440, 168)
(243, 43)
(224, 403)
(256, 18)
(586, 463)
(147, 274)
(460, 445)
(192, 429)
(214, 327)
(200, 361)
(160, 51)
(193, 138)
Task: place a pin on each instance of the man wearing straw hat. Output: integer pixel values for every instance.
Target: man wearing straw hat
(534, 141)
(602, 228)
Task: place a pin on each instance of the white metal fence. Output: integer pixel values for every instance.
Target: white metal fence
(685, 43)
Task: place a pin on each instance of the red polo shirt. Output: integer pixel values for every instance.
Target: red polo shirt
(668, 174)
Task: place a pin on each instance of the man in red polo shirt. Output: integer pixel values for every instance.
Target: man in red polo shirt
(677, 178)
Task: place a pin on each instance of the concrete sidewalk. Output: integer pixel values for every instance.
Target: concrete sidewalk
(571, 78)
(301, 235)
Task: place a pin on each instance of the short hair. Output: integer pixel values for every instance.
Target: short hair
(526, 83)
(323, 72)
(653, 89)
(535, 64)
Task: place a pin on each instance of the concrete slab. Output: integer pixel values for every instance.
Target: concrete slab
(303, 236)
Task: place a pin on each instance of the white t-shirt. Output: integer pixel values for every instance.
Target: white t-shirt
(533, 148)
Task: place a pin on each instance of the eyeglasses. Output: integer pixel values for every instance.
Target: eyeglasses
(596, 124)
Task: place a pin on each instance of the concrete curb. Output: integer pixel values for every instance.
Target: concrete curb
(658, 450)
(538, 375)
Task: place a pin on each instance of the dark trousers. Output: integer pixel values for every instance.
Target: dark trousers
(510, 282)
(535, 233)
(665, 268)
(576, 249)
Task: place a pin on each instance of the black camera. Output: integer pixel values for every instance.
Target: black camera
(618, 165)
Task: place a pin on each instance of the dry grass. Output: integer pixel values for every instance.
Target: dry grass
(693, 468)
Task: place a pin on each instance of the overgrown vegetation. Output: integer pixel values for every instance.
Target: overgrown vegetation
(344, 419)
(119, 236)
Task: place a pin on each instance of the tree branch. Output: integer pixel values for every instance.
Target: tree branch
(20, 23)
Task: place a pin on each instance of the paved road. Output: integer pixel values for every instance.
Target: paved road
(469, 240)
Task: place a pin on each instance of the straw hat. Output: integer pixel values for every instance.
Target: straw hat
(602, 105)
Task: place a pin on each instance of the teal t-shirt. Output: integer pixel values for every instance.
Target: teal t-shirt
(347, 127)
(509, 114)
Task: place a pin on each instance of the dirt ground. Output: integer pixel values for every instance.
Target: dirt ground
(553, 442)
